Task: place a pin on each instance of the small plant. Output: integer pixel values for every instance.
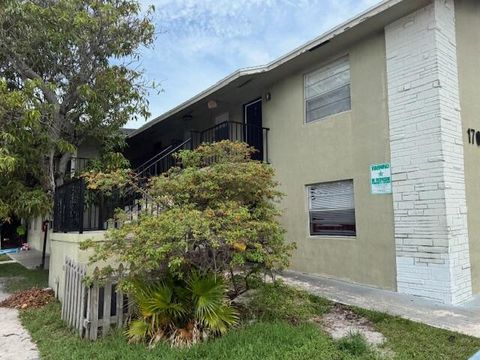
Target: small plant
(354, 344)
(21, 230)
(182, 312)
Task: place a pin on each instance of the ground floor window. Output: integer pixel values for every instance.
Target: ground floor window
(332, 208)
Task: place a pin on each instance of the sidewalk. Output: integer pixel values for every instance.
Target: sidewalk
(30, 259)
(464, 319)
(15, 341)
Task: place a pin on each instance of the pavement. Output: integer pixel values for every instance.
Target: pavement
(31, 259)
(15, 341)
(464, 318)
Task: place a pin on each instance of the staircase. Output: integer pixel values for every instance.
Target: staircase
(74, 211)
(155, 166)
(163, 161)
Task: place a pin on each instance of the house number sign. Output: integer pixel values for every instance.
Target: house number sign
(473, 137)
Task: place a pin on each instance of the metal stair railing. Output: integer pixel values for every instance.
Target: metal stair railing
(164, 162)
(70, 199)
(144, 203)
(150, 161)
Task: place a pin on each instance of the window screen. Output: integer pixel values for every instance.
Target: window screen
(327, 90)
(332, 209)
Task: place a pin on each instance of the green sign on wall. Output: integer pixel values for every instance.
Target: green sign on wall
(381, 179)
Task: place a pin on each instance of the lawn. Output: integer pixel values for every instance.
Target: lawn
(275, 325)
(4, 257)
(15, 277)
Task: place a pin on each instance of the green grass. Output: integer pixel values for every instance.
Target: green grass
(355, 345)
(15, 277)
(274, 326)
(412, 340)
(262, 340)
(277, 301)
(4, 257)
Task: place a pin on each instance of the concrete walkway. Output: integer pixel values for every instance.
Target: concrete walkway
(31, 259)
(15, 341)
(464, 319)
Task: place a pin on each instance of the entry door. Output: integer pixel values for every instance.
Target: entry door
(253, 127)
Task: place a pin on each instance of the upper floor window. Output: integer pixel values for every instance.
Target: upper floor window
(332, 209)
(327, 90)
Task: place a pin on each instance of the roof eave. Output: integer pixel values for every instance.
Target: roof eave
(327, 36)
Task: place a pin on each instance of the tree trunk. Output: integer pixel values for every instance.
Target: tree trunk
(50, 186)
(62, 168)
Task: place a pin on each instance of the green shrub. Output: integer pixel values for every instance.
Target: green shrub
(218, 213)
(182, 312)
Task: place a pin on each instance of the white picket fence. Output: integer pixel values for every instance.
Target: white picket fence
(91, 310)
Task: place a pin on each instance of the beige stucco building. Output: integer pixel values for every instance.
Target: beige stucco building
(373, 131)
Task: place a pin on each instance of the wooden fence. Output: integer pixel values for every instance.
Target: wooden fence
(91, 310)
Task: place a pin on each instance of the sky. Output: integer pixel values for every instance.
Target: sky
(199, 42)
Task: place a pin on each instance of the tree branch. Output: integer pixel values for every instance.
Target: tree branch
(29, 73)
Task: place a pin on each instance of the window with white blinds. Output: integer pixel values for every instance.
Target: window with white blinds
(327, 90)
(332, 209)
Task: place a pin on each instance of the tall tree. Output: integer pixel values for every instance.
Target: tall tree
(68, 72)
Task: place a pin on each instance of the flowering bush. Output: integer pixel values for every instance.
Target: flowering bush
(218, 216)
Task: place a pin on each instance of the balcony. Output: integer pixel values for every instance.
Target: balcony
(255, 136)
(77, 209)
(75, 167)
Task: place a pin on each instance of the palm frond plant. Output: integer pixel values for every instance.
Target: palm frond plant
(210, 302)
(182, 312)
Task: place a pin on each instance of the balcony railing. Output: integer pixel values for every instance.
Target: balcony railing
(78, 209)
(255, 136)
(75, 167)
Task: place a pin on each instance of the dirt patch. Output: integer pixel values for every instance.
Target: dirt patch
(32, 298)
(341, 322)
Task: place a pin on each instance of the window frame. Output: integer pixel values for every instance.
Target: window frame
(316, 68)
(308, 215)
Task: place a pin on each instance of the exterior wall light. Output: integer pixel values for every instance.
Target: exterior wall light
(212, 104)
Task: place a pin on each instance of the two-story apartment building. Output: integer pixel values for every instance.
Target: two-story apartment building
(374, 132)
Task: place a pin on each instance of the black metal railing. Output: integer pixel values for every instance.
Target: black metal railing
(76, 166)
(254, 135)
(69, 207)
(78, 209)
(151, 162)
(163, 163)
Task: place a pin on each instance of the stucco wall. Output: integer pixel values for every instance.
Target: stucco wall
(35, 235)
(468, 55)
(340, 147)
(89, 149)
(67, 245)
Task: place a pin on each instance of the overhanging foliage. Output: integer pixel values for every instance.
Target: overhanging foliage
(218, 214)
(67, 74)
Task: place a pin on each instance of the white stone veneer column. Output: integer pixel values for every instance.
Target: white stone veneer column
(431, 231)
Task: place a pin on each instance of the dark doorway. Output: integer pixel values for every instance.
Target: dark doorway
(253, 127)
(9, 234)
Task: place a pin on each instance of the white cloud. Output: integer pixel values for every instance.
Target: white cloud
(201, 41)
